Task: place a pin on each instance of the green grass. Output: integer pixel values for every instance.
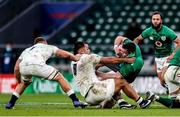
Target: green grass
(60, 105)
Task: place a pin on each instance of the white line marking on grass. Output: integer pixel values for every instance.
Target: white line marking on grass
(39, 103)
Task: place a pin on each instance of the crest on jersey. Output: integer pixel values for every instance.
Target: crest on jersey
(163, 38)
(151, 38)
(158, 43)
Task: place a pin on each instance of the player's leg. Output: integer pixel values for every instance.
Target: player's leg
(117, 97)
(51, 73)
(122, 103)
(172, 79)
(68, 90)
(26, 80)
(101, 94)
(170, 102)
(160, 63)
(131, 93)
(176, 102)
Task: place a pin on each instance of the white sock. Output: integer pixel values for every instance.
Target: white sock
(139, 100)
(156, 97)
(120, 100)
(70, 92)
(16, 94)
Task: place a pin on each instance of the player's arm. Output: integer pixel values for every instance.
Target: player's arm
(118, 41)
(116, 60)
(138, 39)
(98, 66)
(17, 71)
(177, 42)
(108, 75)
(66, 54)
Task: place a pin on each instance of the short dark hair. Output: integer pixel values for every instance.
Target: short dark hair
(130, 47)
(38, 39)
(77, 46)
(155, 13)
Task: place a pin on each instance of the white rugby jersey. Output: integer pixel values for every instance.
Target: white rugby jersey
(84, 72)
(38, 54)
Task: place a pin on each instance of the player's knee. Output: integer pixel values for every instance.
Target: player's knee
(120, 82)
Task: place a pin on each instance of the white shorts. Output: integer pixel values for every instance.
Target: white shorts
(101, 90)
(43, 71)
(172, 78)
(160, 63)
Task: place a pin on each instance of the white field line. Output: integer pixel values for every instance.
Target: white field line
(39, 103)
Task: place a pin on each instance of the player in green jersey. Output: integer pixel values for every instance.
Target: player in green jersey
(128, 71)
(172, 78)
(162, 39)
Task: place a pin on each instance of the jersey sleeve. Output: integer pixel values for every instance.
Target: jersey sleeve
(53, 48)
(94, 58)
(145, 33)
(20, 57)
(171, 34)
(22, 54)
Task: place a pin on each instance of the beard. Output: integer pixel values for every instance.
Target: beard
(156, 27)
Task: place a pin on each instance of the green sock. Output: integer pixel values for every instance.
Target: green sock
(166, 101)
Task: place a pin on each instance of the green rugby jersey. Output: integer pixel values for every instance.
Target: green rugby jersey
(161, 40)
(176, 59)
(137, 54)
(130, 71)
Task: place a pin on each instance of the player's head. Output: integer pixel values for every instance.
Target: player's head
(81, 48)
(126, 49)
(129, 47)
(156, 20)
(40, 40)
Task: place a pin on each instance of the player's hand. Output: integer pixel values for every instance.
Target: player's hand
(98, 66)
(77, 57)
(170, 57)
(118, 75)
(130, 60)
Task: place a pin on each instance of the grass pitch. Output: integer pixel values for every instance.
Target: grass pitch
(60, 105)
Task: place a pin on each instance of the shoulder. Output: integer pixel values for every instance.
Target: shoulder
(95, 55)
(52, 47)
(90, 56)
(163, 26)
(148, 29)
(166, 28)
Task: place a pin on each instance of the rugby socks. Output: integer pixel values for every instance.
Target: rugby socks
(140, 100)
(166, 101)
(72, 95)
(121, 101)
(14, 98)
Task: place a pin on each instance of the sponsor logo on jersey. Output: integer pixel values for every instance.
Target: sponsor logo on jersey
(151, 38)
(158, 43)
(163, 38)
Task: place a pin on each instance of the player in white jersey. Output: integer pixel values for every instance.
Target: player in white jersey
(32, 62)
(95, 90)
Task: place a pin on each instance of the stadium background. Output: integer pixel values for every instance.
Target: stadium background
(62, 22)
